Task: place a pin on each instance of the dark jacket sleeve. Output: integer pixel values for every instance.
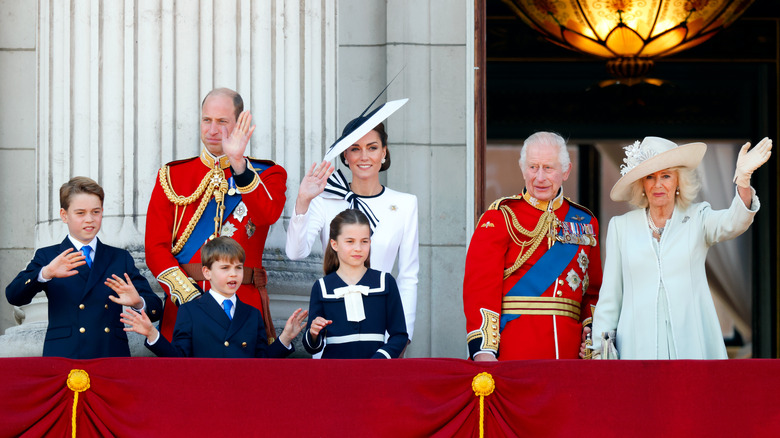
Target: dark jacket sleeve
(163, 348)
(396, 324)
(276, 350)
(181, 345)
(153, 302)
(315, 309)
(25, 286)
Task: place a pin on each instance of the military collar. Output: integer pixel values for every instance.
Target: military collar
(209, 159)
(544, 205)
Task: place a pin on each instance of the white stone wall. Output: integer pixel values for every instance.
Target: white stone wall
(120, 86)
(112, 89)
(429, 137)
(17, 143)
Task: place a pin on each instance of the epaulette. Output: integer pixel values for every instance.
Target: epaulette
(261, 161)
(185, 160)
(497, 203)
(581, 207)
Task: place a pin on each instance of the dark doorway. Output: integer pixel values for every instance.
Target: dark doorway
(725, 90)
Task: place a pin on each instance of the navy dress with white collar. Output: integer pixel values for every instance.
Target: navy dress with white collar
(345, 339)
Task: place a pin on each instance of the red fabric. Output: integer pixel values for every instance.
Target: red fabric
(492, 250)
(393, 398)
(262, 211)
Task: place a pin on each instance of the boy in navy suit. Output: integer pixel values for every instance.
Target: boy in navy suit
(218, 324)
(78, 276)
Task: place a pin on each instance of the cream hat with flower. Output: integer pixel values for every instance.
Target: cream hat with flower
(650, 156)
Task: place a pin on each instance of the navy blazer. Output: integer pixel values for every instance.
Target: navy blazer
(203, 329)
(83, 322)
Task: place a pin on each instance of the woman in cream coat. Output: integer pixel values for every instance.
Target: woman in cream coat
(655, 292)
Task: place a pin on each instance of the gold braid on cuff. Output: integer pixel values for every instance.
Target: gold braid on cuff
(252, 185)
(490, 333)
(182, 288)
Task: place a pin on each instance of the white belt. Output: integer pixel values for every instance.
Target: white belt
(372, 337)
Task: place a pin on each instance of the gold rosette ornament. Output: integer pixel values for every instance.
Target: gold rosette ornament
(78, 381)
(483, 385)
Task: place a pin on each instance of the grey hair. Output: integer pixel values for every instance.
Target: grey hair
(688, 182)
(551, 138)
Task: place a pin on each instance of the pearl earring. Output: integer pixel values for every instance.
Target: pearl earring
(383, 160)
(643, 194)
(678, 192)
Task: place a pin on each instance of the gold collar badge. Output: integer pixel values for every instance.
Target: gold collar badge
(210, 160)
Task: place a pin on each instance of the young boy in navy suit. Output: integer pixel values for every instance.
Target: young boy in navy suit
(218, 324)
(78, 276)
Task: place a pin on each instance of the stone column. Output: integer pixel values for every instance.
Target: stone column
(119, 91)
(429, 137)
(18, 23)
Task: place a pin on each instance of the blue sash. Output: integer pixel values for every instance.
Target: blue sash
(205, 227)
(546, 270)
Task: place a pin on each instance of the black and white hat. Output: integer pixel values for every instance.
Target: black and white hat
(363, 124)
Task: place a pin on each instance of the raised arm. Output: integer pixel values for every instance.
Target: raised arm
(305, 229)
(312, 185)
(748, 161)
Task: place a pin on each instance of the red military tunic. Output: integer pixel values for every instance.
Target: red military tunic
(547, 326)
(262, 201)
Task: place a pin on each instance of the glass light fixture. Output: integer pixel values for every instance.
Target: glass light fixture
(630, 34)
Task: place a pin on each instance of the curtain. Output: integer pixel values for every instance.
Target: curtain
(389, 398)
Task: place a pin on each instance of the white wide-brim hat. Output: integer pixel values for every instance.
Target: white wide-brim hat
(357, 128)
(652, 155)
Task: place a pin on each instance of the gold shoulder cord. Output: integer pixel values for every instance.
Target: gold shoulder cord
(527, 248)
(213, 181)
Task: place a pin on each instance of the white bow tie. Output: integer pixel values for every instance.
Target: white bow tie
(353, 301)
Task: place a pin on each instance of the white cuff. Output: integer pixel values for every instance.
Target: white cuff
(143, 305)
(40, 277)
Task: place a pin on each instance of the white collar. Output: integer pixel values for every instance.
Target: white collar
(220, 298)
(77, 244)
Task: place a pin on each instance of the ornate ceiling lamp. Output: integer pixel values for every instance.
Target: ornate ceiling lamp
(628, 33)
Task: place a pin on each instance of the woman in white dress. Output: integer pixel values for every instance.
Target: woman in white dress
(323, 194)
(655, 292)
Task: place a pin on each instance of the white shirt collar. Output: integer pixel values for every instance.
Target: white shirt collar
(220, 298)
(77, 244)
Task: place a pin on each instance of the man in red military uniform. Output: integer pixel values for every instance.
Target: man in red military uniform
(219, 193)
(533, 268)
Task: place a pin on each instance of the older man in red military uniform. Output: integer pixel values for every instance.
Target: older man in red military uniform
(533, 268)
(219, 193)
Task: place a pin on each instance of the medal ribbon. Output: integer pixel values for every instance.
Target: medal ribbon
(546, 270)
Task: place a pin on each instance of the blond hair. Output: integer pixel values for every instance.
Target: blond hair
(688, 184)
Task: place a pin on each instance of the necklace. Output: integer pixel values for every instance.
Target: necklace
(650, 222)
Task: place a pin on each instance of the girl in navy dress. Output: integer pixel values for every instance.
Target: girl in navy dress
(352, 307)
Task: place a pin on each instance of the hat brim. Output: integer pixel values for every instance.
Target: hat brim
(688, 155)
(376, 118)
